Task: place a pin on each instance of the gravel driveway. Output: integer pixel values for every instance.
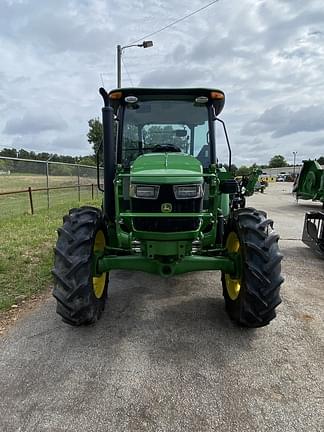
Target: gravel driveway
(165, 356)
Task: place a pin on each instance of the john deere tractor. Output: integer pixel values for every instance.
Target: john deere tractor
(310, 183)
(167, 210)
(310, 186)
(248, 184)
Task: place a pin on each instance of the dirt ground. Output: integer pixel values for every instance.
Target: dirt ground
(22, 308)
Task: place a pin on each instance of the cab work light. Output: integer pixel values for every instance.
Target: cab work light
(144, 191)
(187, 191)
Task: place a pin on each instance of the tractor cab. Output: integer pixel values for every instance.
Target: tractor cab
(166, 121)
(164, 147)
(165, 151)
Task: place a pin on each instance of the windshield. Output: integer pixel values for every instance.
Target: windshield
(165, 126)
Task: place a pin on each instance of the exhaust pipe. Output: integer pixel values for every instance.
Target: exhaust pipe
(108, 157)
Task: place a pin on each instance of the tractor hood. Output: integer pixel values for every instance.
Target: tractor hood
(170, 168)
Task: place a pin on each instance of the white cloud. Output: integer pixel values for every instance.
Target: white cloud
(32, 123)
(281, 120)
(268, 57)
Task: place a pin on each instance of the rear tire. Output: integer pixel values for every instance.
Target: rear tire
(252, 297)
(80, 297)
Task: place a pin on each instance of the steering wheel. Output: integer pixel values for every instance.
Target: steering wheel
(162, 148)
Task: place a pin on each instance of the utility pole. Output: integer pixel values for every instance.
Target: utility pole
(294, 153)
(119, 54)
(120, 49)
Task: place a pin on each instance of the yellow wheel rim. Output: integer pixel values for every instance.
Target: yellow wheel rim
(99, 282)
(233, 286)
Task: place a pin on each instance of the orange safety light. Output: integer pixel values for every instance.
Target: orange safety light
(116, 95)
(216, 95)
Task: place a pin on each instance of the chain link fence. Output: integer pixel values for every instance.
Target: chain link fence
(30, 185)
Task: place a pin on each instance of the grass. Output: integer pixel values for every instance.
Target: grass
(26, 251)
(14, 182)
(18, 204)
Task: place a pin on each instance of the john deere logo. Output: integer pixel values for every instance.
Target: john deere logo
(166, 208)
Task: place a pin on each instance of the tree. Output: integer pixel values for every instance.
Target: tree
(233, 169)
(277, 161)
(43, 156)
(8, 152)
(87, 160)
(243, 171)
(320, 160)
(23, 154)
(95, 134)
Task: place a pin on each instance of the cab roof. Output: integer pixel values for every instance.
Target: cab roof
(166, 91)
(215, 96)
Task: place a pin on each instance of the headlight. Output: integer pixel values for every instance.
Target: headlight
(144, 191)
(188, 191)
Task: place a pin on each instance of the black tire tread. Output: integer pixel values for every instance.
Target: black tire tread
(76, 302)
(261, 282)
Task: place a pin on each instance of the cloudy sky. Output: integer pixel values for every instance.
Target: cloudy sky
(266, 55)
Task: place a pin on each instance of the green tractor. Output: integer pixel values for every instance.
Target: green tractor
(310, 186)
(248, 184)
(168, 209)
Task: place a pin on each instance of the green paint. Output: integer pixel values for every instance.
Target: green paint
(253, 178)
(185, 265)
(310, 183)
(166, 168)
(130, 214)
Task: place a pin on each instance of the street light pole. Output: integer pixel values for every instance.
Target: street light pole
(144, 44)
(119, 54)
(294, 153)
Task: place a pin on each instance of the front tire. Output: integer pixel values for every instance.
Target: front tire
(252, 296)
(80, 296)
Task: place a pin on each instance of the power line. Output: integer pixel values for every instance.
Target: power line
(175, 21)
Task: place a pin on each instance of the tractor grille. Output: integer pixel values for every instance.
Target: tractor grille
(165, 224)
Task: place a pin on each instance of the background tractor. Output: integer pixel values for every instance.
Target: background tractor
(247, 185)
(167, 209)
(310, 183)
(310, 186)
